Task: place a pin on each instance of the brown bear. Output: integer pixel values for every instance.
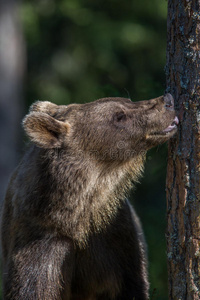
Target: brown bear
(68, 230)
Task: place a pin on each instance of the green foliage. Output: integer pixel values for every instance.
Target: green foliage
(81, 50)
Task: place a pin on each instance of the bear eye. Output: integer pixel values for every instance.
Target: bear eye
(120, 116)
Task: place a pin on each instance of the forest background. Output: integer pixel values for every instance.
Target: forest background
(82, 50)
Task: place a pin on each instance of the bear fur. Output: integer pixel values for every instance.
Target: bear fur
(68, 230)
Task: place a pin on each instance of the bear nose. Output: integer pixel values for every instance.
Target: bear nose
(169, 101)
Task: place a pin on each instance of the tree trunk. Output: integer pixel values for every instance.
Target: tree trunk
(183, 176)
(12, 57)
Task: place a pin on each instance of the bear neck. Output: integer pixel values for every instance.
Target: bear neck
(86, 195)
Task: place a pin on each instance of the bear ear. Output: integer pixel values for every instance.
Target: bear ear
(44, 130)
(44, 106)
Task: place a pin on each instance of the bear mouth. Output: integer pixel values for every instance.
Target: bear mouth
(172, 126)
(167, 132)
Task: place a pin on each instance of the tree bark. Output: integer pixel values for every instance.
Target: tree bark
(12, 58)
(183, 175)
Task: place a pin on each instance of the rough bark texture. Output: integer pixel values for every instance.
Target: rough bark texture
(183, 179)
(12, 56)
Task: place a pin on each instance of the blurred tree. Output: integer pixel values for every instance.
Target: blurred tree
(12, 57)
(183, 179)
